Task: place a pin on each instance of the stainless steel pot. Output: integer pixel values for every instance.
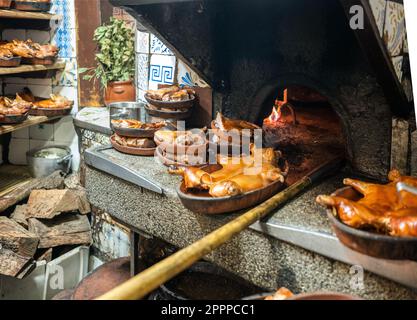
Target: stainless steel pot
(41, 166)
(126, 110)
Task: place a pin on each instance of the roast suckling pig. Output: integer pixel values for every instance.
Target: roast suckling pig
(15, 106)
(30, 49)
(381, 207)
(238, 175)
(172, 93)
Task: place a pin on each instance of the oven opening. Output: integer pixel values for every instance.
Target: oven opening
(300, 122)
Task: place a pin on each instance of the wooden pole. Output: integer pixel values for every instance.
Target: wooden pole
(150, 279)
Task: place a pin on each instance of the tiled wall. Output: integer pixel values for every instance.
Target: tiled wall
(156, 64)
(63, 35)
(390, 19)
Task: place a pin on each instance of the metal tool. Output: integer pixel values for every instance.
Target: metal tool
(95, 158)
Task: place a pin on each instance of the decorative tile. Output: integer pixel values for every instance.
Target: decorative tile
(142, 61)
(394, 32)
(378, 9)
(140, 95)
(65, 40)
(158, 47)
(142, 42)
(398, 66)
(161, 70)
(188, 77)
(69, 76)
(66, 8)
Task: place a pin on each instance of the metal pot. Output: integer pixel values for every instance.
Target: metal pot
(126, 110)
(43, 167)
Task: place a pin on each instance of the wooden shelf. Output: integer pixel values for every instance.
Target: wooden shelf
(16, 14)
(32, 68)
(32, 120)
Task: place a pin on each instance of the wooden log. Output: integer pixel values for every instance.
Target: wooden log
(17, 247)
(44, 255)
(11, 263)
(19, 215)
(66, 229)
(47, 204)
(54, 181)
(16, 238)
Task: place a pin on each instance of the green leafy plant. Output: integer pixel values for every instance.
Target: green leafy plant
(116, 53)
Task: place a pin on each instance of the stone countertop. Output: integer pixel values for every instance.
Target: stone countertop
(300, 262)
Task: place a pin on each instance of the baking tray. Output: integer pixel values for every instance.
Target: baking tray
(170, 162)
(50, 112)
(369, 242)
(134, 133)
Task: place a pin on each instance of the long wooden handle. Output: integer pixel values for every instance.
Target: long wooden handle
(150, 279)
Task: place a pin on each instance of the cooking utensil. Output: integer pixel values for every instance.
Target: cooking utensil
(51, 112)
(132, 150)
(8, 63)
(202, 202)
(170, 161)
(42, 6)
(125, 110)
(147, 281)
(43, 167)
(13, 118)
(35, 61)
(174, 114)
(134, 132)
(185, 104)
(369, 242)
(307, 296)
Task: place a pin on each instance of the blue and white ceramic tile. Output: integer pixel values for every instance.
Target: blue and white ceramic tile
(398, 66)
(64, 35)
(187, 77)
(65, 40)
(161, 70)
(394, 32)
(158, 47)
(378, 9)
(142, 62)
(142, 42)
(65, 8)
(69, 76)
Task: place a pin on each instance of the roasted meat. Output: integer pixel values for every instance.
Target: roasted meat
(281, 294)
(173, 93)
(230, 130)
(30, 49)
(6, 54)
(381, 207)
(136, 124)
(180, 138)
(55, 102)
(134, 142)
(15, 106)
(238, 174)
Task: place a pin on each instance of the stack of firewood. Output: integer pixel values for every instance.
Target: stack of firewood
(50, 219)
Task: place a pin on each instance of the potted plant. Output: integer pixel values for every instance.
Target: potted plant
(115, 61)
